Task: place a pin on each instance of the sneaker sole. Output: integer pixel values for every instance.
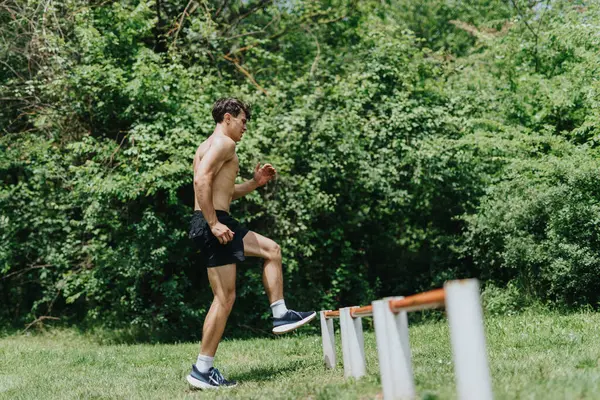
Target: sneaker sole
(203, 385)
(290, 327)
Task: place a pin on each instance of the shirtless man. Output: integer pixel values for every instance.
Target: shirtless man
(223, 241)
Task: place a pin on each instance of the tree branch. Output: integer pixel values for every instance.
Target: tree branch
(316, 61)
(183, 15)
(221, 9)
(238, 66)
(250, 11)
(22, 271)
(535, 35)
(37, 321)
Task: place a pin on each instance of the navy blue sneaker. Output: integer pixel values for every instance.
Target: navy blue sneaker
(292, 320)
(212, 379)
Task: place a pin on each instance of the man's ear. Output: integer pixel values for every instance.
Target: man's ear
(227, 118)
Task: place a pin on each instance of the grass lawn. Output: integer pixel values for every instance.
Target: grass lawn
(532, 356)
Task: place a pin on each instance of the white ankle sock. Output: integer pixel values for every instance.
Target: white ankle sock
(204, 363)
(279, 309)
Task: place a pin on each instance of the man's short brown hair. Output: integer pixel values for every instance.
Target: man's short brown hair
(229, 105)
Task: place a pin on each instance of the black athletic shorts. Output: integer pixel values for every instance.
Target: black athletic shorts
(213, 253)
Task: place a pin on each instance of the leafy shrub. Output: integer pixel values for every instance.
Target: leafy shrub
(508, 300)
(540, 228)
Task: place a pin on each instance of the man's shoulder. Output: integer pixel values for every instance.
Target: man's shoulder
(222, 145)
(223, 142)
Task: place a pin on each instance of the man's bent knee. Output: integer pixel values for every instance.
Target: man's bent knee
(274, 252)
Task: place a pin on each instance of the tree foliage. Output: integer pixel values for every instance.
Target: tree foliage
(414, 144)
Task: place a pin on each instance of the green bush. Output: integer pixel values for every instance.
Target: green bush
(540, 228)
(505, 300)
(410, 150)
(98, 205)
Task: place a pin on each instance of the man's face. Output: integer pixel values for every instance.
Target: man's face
(237, 126)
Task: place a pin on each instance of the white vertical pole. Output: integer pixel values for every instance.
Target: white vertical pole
(328, 338)
(353, 349)
(468, 340)
(345, 342)
(391, 332)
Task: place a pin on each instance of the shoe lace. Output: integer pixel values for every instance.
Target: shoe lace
(297, 314)
(218, 377)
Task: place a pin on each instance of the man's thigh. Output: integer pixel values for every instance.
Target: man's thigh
(256, 245)
(222, 280)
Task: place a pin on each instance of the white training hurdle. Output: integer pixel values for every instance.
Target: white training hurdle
(465, 317)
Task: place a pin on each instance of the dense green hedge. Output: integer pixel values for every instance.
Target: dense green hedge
(413, 145)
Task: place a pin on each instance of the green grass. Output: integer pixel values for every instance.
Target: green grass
(532, 356)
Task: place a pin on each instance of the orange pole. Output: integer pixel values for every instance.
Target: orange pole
(361, 311)
(433, 298)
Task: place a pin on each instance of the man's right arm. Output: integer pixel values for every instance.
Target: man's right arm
(220, 151)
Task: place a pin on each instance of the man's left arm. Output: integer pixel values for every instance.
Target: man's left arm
(262, 175)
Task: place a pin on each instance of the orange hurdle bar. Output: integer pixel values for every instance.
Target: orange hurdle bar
(432, 299)
(365, 311)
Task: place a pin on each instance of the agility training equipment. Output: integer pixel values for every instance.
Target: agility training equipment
(463, 308)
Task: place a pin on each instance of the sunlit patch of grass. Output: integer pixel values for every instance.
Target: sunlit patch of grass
(532, 355)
